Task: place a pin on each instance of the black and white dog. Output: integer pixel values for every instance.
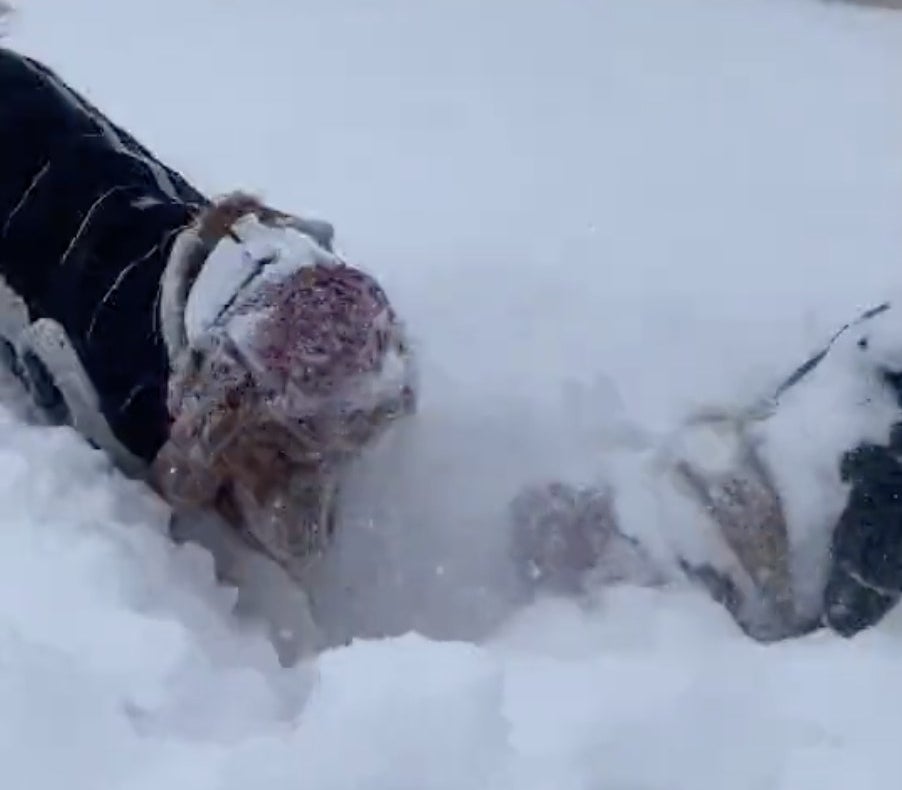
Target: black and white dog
(247, 399)
(793, 506)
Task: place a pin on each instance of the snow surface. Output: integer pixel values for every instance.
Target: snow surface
(595, 217)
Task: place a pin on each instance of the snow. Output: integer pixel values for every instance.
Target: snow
(595, 218)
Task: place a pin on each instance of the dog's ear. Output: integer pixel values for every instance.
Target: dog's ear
(215, 221)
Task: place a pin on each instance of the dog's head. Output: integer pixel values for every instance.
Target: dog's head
(294, 363)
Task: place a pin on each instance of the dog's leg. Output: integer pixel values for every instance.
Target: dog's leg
(718, 466)
(56, 372)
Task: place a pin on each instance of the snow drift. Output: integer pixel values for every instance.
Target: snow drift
(595, 217)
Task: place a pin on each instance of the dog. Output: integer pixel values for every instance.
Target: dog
(218, 349)
(720, 477)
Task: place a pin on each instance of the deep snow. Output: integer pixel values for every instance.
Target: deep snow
(594, 217)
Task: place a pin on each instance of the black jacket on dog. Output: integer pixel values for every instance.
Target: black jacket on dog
(865, 579)
(87, 220)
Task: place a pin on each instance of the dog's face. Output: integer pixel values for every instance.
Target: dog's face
(273, 476)
(273, 402)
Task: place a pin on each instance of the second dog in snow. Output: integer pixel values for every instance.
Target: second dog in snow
(789, 511)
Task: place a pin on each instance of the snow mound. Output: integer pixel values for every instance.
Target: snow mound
(597, 217)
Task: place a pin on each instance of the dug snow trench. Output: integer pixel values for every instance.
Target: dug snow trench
(593, 216)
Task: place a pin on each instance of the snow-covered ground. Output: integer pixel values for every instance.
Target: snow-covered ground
(594, 216)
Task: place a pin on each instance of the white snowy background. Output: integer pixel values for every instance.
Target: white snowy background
(594, 216)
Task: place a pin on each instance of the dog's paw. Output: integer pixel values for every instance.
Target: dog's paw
(565, 539)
